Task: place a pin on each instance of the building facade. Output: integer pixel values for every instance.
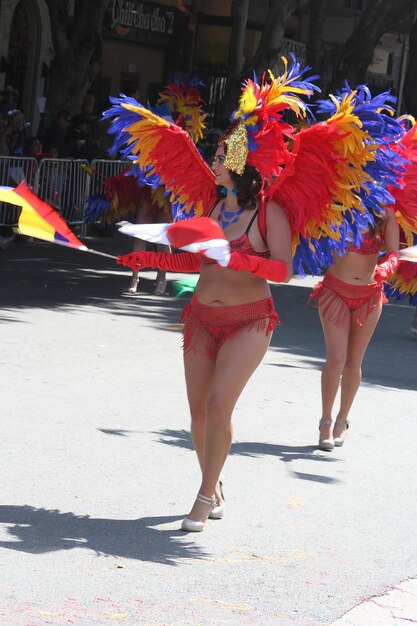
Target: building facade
(144, 43)
(25, 52)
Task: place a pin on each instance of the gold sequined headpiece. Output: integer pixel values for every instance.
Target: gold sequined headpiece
(237, 148)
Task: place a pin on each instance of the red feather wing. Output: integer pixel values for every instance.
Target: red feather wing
(168, 151)
(308, 188)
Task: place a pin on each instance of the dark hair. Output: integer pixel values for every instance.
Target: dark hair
(248, 186)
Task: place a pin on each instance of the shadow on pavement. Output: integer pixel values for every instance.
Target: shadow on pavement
(38, 274)
(38, 531)
(253, 449)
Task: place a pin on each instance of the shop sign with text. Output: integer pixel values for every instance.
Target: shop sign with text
(142, 22)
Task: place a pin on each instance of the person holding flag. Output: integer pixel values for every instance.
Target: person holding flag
(229, 322)
(231, 314)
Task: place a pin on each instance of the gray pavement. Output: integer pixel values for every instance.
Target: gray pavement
(97, 467)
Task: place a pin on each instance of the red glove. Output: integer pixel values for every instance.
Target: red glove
(387, 268)
(276, 271)
(182, 262)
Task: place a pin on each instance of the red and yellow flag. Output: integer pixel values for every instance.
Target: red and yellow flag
(38, 219)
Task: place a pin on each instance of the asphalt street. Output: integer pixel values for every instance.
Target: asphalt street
(97, 468)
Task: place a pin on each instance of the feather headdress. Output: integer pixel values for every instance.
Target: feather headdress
(183, 100)
(258, 135)
(379, 167)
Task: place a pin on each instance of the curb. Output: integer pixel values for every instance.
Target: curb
(396, 608)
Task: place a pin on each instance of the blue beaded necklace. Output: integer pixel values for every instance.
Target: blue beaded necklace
(228, 217)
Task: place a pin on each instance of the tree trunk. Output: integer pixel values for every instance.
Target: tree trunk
(266, 56)
(378, 17)
(315, 51)
(239, 13)
(77, 41)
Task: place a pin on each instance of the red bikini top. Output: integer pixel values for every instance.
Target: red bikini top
(242, 243)
(371, 244)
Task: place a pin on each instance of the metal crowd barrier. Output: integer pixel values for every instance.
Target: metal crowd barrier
(102, 169)
(65, 184)
(14, 170)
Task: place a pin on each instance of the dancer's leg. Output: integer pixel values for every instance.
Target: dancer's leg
(199, 370)
(359, 338)
(230, 376)
(138, 246)
(161, 281)
(336, 339)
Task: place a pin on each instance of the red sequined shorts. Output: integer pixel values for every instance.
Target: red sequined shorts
(210, 326)
(341, 302)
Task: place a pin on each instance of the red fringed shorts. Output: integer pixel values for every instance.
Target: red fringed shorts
(213, 325)
(337, 300)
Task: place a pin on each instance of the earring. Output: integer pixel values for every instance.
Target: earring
(234, 191)
(223, 191)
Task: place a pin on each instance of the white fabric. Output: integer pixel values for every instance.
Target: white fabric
(155, 233)
(216, 249)
(409, 254)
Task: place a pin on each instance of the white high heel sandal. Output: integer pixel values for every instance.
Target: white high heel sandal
(196, 526)
(338, 441)
(326, 444)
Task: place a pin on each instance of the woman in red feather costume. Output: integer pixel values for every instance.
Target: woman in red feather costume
(180, 103)
(229, 322)
(350, 299)
(351, 295)
(231, 314)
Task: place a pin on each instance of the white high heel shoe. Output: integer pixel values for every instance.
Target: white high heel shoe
(338, 441)
(218, 511)
(196, 526)
(326, 444)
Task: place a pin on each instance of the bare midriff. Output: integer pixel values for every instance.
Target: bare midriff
(219, 286)
(354, 268)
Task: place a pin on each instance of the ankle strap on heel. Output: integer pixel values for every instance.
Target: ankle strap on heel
(206, 500)
(323, 422)
(344, 422)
